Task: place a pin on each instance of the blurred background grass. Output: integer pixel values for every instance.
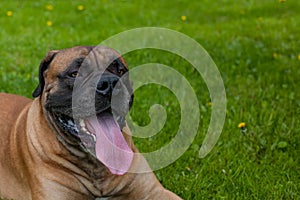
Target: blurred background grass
(256, 47)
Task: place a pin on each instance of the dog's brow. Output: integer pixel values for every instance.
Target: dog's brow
(76, 63)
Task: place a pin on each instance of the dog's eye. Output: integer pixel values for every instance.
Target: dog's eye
(73, 74)
(121, 71)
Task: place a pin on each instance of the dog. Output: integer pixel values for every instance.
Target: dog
(71, 142)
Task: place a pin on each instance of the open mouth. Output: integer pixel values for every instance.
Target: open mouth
(101, 136)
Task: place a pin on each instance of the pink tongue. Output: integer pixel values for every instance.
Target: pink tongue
(111, 148)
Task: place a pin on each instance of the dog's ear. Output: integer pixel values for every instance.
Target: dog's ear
(43, 66)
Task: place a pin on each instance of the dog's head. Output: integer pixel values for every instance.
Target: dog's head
(86, 93)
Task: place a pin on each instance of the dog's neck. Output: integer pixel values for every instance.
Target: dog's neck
(95, 178)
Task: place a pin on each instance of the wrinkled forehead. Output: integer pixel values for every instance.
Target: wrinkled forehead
(96, 58)
(100, 58)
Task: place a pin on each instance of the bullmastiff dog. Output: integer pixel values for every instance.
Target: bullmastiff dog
(72, 142)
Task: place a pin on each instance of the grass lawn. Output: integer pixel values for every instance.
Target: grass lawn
(256, 46)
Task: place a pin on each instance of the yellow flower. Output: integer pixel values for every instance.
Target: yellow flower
(49, 7)
(9, 13)
(183, 18)
(49, 23)
(282, 1)
(242, 125)
(80, 7)
(275, 55)
(298, 56)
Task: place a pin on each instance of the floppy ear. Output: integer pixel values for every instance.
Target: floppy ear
(43, 66)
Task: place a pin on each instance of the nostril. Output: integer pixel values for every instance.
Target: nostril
(103, 87)
(107, 84)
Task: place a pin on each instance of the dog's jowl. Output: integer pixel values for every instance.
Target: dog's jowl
(72, 141)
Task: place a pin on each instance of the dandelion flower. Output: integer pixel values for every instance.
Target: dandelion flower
(275, 55)
(242, 125)
(80, 7)
(183, 18)
(49, 23)
(298, 56)
(49, 7)
(282, 1)
(9, 13)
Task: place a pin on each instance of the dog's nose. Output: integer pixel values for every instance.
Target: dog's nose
(106, 84)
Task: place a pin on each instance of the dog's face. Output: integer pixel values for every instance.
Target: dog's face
(86, 93)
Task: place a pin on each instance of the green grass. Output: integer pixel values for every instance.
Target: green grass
(242, 38)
